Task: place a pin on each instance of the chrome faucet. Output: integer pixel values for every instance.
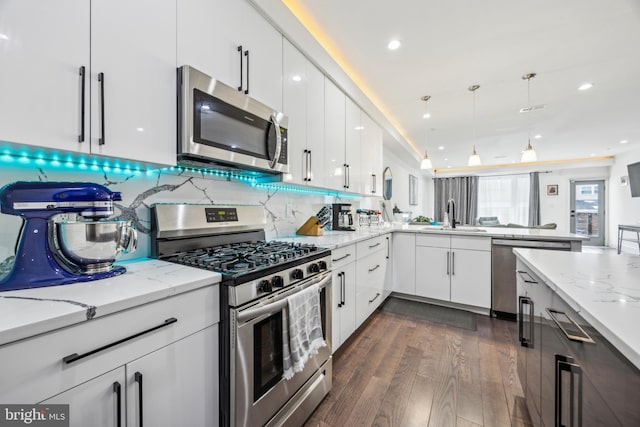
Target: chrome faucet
(451, 204)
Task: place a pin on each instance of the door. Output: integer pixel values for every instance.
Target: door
(176, 385)
(471, 277)
(587, 211)
(433, 273)
(42, 47)
(133, 79)
(334, 112)
(98, 402)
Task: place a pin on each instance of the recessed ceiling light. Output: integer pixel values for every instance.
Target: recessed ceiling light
(538, 136)
(445, 159)
(441, 147)
(585, 86)
(426, 115)
(624, 141)
(140, 129)
(4, 37)
(359, 127)
(296, 78)
(593, 154)
(394, 44)
(448, 166)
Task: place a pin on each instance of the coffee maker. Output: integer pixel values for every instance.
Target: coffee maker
(342, 217)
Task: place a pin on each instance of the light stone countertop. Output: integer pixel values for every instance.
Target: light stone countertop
(28, 312)
(603, 288)
(336, 239)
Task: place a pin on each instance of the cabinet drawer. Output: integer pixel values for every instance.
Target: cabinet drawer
(370, 246)
(433, 240)
(42, 372)
(343, 256)
(471, 242)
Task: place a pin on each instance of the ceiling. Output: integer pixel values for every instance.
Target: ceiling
(449, 45)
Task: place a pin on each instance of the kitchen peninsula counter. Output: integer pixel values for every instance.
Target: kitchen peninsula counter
(29, 312)
(603, 288)
(337, 239)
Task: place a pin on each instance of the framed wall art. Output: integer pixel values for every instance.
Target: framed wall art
(552, 190)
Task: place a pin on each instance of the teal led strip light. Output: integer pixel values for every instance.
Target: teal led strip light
(307, 190)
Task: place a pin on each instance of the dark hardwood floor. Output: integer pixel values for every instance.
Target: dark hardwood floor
(400, 370)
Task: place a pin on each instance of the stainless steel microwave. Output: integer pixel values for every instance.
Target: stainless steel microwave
(221, 125)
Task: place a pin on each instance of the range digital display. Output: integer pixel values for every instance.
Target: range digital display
(221, 214)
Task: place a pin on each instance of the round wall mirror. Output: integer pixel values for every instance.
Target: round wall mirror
(387, 181)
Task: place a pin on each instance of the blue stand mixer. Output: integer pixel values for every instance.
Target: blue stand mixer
(64, 237)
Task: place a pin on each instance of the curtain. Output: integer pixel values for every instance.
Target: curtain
(464, 192)
(505, 197)
(534, 199)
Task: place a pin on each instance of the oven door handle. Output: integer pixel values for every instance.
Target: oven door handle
(276, 306)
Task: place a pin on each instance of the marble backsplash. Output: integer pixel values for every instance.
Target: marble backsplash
(285, 211)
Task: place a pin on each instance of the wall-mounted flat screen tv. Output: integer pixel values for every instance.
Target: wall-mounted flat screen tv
(634, 178)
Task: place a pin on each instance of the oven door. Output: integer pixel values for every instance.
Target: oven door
(219, 123)
(260, 391)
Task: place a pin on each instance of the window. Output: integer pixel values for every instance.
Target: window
(506, 197)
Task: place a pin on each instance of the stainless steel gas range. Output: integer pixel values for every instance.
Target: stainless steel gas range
(258, 277)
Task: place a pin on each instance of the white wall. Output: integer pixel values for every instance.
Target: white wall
(623, 208)
(400, 196)
(556, 208)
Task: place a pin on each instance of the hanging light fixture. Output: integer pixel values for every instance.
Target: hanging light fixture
(474, 158)
(529, 154)
(426, 164)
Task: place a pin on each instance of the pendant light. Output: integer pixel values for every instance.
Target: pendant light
(474, 158)
(426, 164)
(529, 154)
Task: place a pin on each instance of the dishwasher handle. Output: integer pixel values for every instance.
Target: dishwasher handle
(537, 244)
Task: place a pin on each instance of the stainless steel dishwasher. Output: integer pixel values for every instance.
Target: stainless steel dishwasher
(503, 272)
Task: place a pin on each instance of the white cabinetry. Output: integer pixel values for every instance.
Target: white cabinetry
(353, 147)
(303, 103)
(454, 268)
(371, 158)
(370, 275)
(128, 73)
(171, 343)
(344, 294)
(230, 41)
(334, 125)
(404, 263)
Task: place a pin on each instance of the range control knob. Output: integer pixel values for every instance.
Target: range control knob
(322, 265)
(314, 268)
(277, 282)
(297, 274)
(264, 286)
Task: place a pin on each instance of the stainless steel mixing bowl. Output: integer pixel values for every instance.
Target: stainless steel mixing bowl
(93, 246)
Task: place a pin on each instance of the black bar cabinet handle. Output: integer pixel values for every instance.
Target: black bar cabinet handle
(374, 246)
(374, 298)
(138, 378)
(75, 356)
(341, 258)
(344, 180)
(117, 389)
(305, 173)
(453, 263)
(373, 186)
(388, 248)
(521, 303)
(309, 173)
(101, 140)
(374, 268)
(522, 273)
(525, 342)
(348, 176)
(246, 91)
(448, 263)
(240, 53)
(82, 102)
(340, 302)
(343, 288)
(565, 364)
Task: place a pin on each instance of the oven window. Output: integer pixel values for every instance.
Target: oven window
(221, 125)
(267, 357)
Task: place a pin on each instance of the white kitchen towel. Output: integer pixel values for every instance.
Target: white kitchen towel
(304, 330)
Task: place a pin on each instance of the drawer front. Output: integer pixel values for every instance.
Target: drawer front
(370, 246)
(42, 372)
(433, 240)
(370, 276)
(343, 256)
(471, 242)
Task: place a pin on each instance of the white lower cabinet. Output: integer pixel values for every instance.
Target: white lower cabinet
(454, 268)
(404, 263)
(168, 387)
(158, 360)
(344, 303)
(370, 275)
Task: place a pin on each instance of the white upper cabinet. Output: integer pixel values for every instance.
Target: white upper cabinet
(353, 148)
(40, 81)
(334, 125)
(127, 55)
(372, 165)
(303, 103)
(230, 41)
(133, 79)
